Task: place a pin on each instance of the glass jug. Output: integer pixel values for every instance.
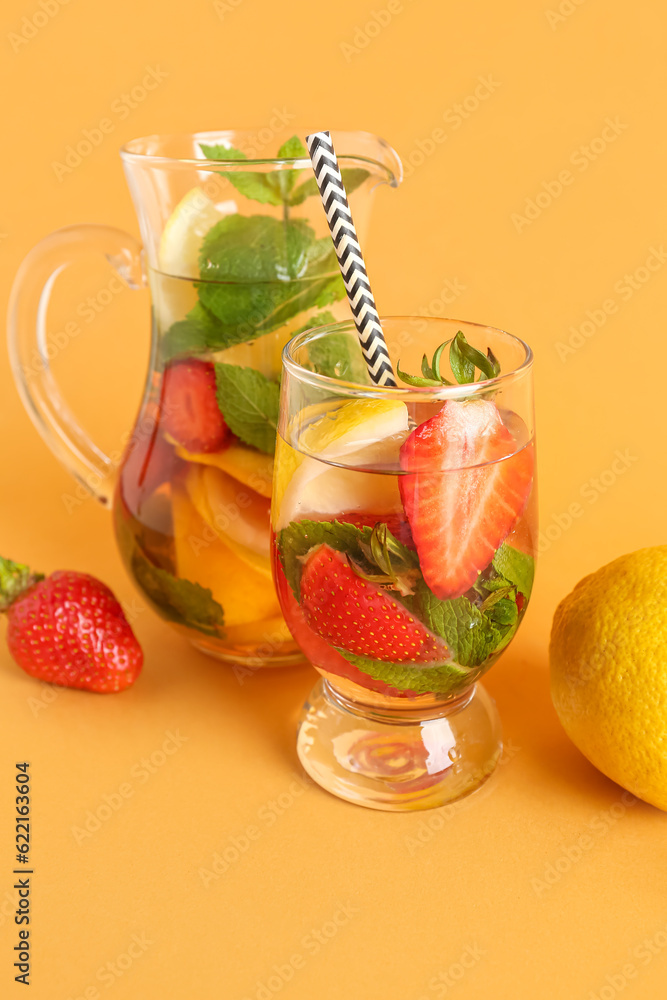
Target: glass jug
(238, 258)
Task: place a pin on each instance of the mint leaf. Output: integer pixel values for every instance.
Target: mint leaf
(442, 678)
(515, 566)
(250, 183)
(283, 181)
(306, 295)
(249, 402)
(466, 630)
(321, 319)
(272, 188)
(199, 331)
(337, 354)
(179, 600)
(293, 149)
(259, 272)
(353, 177)
(421, 381)
(463, 360)
(503, 612)
(299, 537)
(258, 248)
(202, 331)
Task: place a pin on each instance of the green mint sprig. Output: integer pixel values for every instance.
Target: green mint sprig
(178, 600)
(249, 402)
(259, 273)
(337, 355)
(277, 187)
(464, 360)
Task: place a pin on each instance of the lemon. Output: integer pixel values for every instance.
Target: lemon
(360, 432)
(247, 465)
(287, 461)
(246, 596)
(178, 254)
(185, 230)
(355, 426)
(608, 658)
(240, 520)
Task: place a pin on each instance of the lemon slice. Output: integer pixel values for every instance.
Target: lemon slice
(240, 520)
(247, 465)
(361, 432)
(288, 461)
(178, 254)
(185, 230)
(378, 426)
(246, 596)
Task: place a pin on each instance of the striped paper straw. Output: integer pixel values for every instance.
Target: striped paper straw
(350, 258)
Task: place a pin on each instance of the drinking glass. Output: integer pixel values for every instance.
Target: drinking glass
(404, 531)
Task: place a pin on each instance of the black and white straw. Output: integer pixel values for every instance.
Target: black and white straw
(350, 258)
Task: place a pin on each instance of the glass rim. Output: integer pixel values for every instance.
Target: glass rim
(425, 393)
(131, 152)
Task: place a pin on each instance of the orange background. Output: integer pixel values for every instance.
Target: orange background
(504, 879)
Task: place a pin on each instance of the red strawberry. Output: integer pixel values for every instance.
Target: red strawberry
(323, 656)
(459, 517)
(68, 629)
(190, 411)
(359, 616)
(148, 462)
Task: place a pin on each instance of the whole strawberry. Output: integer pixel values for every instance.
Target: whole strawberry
(68, 629)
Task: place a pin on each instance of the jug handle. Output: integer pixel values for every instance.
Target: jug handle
(29, 349)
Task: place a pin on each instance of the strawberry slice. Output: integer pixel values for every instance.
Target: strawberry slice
(359, 616)
(468, 481)
(323, 656)
(191, 414)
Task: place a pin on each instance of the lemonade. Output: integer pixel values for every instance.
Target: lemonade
(193, 496)
(400, 570)
(192, 505)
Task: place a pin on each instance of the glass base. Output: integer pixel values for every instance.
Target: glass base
(399, 758)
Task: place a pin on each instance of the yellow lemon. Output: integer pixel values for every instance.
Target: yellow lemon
(185, 230)
(201, 556)
(172, 291)
(358, 433)
(608, 658)
(240, 519)
(251, 467)
(372, 425)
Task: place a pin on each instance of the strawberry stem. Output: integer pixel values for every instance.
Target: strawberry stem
(464, 359)
(15, 579)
